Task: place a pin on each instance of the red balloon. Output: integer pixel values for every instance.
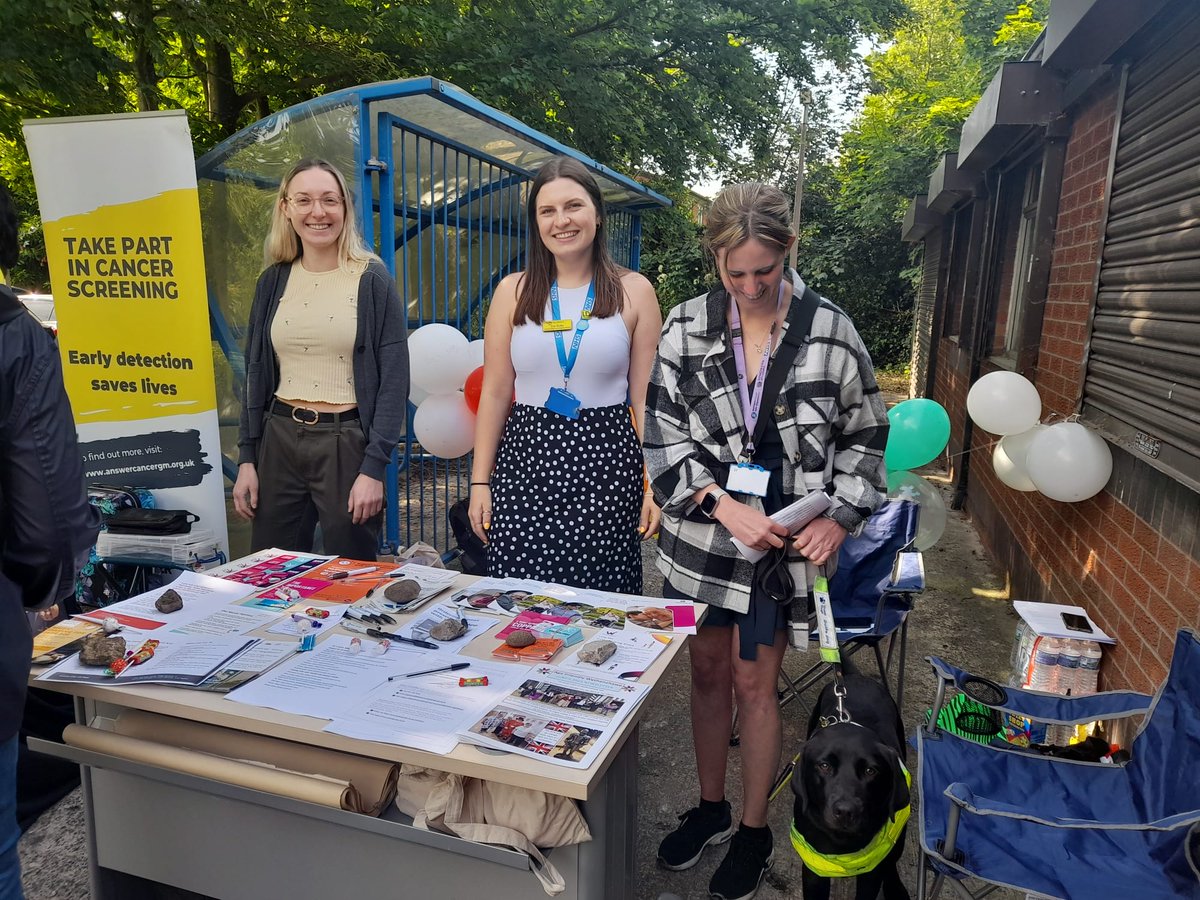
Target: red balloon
(472, 389)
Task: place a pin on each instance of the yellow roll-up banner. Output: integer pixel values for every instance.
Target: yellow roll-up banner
(121, 217)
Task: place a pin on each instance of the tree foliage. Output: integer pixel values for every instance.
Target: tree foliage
(920, 89)
(663, 87)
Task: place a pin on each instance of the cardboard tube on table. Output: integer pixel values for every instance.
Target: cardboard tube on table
(371, 782)
(312, 788)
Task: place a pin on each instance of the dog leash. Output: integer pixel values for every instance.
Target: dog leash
(830, 651)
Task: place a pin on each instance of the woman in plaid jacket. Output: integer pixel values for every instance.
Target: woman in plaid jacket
(825, 431)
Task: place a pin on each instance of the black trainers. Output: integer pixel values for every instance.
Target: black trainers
(742, 870)
(681, 849)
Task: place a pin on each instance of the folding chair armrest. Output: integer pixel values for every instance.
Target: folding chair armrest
(908, 573)
(962, 796)
(1044, 707)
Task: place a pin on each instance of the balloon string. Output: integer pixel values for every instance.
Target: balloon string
(1050, 418)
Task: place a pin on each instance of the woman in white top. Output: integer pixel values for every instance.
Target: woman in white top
(557, 489)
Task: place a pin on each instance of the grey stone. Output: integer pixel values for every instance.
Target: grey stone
(597, 652)
(402, 591)
(448, 630)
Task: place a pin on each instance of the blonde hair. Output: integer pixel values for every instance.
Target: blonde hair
(283, 244)
(749, 210)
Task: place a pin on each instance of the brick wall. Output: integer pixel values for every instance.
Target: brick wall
(1133, 578)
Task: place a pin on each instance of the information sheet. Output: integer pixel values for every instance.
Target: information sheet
(557, 715)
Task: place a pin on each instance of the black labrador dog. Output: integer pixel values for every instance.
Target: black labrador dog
(849, 783)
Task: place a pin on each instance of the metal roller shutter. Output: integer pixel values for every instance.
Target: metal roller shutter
(923, 312)
(1143, 374)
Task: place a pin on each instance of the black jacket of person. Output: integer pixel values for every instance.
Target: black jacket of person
(46, 523)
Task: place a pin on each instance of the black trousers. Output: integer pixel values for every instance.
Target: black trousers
(305, 473)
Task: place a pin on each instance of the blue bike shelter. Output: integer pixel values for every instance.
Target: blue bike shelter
(440, 182)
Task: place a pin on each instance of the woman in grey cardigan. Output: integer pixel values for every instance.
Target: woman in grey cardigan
(326, 376)
(705, 414)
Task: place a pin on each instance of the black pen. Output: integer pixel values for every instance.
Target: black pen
(387, 636)
(451, 668)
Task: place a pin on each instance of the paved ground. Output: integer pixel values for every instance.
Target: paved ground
(962, 616)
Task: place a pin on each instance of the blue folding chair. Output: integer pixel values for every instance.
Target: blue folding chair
(1058, 827)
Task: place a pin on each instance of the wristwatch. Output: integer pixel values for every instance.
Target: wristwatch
(708, 503)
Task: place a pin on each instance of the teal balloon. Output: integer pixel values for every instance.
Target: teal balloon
(920, 430)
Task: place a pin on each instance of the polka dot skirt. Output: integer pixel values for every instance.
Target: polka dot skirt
(566, 499)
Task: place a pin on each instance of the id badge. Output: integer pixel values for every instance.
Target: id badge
(557, 325)
(563, 402)
(747, 478)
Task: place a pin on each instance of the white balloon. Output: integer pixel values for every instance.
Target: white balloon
(438, 358)
(475, 348)
(1004, 403)
(1009, 458)
(1069, 462)
(931, 518)
(416, 395)
(445, 425)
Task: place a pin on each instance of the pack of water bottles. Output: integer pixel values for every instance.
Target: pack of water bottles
(1053, 665)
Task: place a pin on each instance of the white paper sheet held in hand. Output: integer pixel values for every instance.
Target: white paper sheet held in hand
(793, 517)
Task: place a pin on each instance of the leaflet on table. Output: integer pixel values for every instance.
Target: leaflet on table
(428, 711)
(229, 620)
(201, 595)
(794, 516)
(268, 567)
(599, 609)
(302, 619)
(636, 651)
(247, 665)
(495, 595)
(324, 681)
(556, 715)
(423, 623)
(430, 582)
(62, 635)
(178, 659)
(338, 580)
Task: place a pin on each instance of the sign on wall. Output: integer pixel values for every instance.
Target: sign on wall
(122, 225)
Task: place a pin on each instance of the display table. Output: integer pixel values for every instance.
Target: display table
(231, 842)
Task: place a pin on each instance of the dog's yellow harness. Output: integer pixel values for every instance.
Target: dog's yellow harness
(847, 865)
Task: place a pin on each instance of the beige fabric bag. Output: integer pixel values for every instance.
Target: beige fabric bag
(491, 813)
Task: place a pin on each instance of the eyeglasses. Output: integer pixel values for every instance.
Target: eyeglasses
(303, 202)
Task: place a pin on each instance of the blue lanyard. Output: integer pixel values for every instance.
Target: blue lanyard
(567, 362)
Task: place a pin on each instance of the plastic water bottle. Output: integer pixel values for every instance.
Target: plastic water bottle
(1087, 676)
(1069, 655)
(1045, 665)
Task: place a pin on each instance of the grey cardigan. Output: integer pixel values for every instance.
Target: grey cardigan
(380, 364)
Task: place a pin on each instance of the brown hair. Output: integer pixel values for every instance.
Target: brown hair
(283, 244)
(533, 287)
(749, 210)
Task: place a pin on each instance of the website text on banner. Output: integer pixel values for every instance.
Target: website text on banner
(122, 225)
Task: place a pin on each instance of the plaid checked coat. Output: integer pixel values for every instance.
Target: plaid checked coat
(831, 420)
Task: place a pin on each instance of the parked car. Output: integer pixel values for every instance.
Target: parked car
(41, 307)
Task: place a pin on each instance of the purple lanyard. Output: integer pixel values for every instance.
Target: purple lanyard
(751, 404)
